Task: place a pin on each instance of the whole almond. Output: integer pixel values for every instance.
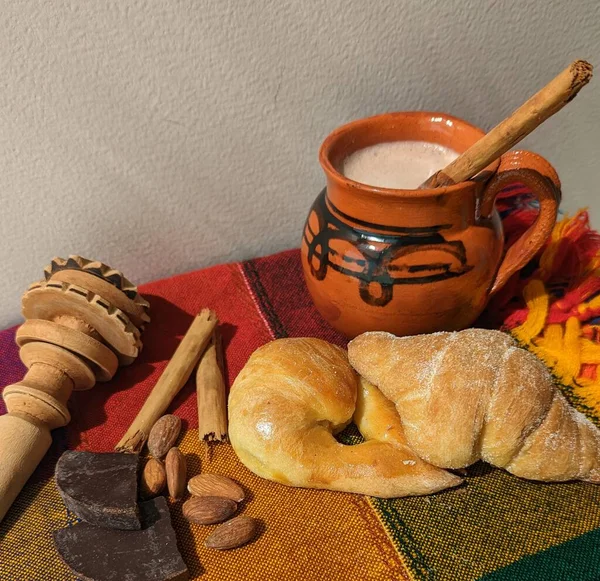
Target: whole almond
(208, 510)
(234, 533)
(176, 469)
(153, 479)
(163, 435)
(215, 485)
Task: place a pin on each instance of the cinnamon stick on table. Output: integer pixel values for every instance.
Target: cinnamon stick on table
(211, 393)
(549, 100)
(174, 377)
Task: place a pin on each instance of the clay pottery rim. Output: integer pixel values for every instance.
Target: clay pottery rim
(385, 119)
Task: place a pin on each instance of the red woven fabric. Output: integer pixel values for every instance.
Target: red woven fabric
(255, 302)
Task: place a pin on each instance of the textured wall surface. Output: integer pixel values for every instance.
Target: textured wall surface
(163, 136)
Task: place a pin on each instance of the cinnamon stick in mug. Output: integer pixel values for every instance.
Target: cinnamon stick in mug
(545, 103)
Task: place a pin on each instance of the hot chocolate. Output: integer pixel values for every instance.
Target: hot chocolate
(402, 165)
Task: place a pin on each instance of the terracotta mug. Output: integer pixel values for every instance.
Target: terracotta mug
(416, 261)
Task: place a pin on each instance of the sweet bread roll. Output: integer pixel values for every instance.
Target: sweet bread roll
(289, 400)
(476, 395)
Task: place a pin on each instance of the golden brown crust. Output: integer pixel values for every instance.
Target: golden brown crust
(475, 395)
(289, 399)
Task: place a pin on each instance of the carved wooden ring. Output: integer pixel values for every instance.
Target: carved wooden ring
(107, 291)
(69, 363)
(48, 410)
(104, 361)
(48, 300)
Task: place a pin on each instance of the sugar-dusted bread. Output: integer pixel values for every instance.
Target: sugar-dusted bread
(289, 400)
(476, 395)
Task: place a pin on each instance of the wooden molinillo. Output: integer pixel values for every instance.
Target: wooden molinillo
(82, 322)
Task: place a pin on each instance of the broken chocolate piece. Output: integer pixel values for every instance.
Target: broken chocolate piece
(100, 489)
(99, 554)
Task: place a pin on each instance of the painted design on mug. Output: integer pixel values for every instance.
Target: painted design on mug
(403, 255)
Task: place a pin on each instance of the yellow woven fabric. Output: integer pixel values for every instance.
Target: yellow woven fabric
(307, 534)
(26, 548)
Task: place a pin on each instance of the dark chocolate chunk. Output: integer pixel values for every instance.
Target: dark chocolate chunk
(150, 554)
(100, 489)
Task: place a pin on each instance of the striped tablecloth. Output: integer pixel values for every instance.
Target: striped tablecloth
(495, 527)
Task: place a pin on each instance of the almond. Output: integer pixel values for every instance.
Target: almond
(208, 510)
(163, 435)
(176, 469)
(234, 533)
(215, 485)
(153, 479)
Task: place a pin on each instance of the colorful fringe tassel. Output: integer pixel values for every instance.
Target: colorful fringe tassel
(557, 316)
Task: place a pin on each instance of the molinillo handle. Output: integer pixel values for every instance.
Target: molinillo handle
(545, 103)
(35, 406)
(23, 444)
(73, 336)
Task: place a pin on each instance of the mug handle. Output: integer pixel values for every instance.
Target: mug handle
(533, 171)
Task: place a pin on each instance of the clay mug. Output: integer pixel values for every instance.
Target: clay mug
(416, 261)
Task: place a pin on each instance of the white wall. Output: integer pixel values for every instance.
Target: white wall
(163, 136)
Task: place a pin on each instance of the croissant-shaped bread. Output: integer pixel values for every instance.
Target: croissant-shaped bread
(289, 400)
(476, 395)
